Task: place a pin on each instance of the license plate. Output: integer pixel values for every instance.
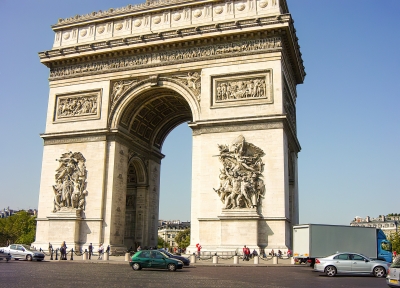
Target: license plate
(394, 281)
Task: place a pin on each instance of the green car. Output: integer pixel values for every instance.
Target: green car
(154, 259)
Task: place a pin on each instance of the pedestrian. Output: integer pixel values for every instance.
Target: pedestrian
(139, 248)
(272, 253)
(108, 249)
(255, 253)
(50, 247)
(101, 249)
(63, 251)
(198, 249)
(394, 253)
(289, 253)
(90, 251)
(245, 254)
(279, 253)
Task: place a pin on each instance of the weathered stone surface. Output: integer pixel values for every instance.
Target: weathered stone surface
(120, 84)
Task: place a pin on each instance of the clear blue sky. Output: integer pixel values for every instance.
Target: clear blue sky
(347, 108)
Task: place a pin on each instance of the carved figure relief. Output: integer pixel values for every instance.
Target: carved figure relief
(241, 185)
(70, 188)
(250, 87)
(247, 88)
(80, 105)
(120, 87)
(168, 57)
(193, 81)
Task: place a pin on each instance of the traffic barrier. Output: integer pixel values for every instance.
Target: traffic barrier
(192, 258)
(127, 255)
(235, 259)
(275, 260)
(256, 259)
(215, 259)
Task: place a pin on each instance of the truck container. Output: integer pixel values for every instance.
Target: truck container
(312, 241)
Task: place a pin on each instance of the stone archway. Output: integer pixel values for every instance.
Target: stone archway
(122, 79)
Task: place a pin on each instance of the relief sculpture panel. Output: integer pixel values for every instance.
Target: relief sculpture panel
(77, 106)
(70, 188)
(229, 90)
(241, 185)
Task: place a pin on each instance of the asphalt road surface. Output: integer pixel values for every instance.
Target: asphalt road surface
(75, 274)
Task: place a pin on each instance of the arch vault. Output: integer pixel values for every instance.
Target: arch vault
(122, 79)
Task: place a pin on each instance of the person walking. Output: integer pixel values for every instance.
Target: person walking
(101, 249)
(245, 253)
(90, 251)
(63, 251)
(198, 249)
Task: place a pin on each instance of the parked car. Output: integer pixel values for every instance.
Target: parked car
(4, 255)
(154, 259)
(21, 251)
(186, 261)
(350, 263)
(393, 275)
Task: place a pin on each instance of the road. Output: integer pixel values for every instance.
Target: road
(78, 274)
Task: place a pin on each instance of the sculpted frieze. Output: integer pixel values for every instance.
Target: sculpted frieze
(240, 89)
(290, 108)
(192, 80)
(245, 88)
(166, 58)
(120, 87)
(70, 188)
(76, 106)
(241, 185)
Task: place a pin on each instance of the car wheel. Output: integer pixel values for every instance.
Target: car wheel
(379, 272)
(136, 266)
(330, 271)
(29, 257)
(171, 267)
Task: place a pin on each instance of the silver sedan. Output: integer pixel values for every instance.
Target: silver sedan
(350, 263)
(21, 251)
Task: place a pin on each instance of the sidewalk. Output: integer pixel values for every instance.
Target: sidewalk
(204, 261)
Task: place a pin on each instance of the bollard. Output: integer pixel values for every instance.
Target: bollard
(72, 254)
(51, 254)
(256, 259)
(215, 259)
(275, 260)
(106, 256)
(235, 259)
(127, 256)
(193, 258)
(84, 256)
(56, 254)
(292, 260)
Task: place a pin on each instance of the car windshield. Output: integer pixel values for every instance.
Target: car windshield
(27, 247)
(396, 263)
(164, 254)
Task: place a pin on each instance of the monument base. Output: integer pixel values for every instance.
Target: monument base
(64, 223)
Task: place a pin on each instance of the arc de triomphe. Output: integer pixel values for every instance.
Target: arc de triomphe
(122, 79)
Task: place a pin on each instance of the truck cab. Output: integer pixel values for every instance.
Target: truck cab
(384, 247)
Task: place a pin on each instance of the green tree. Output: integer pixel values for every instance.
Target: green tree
(395, 239)
(183, 238)
(161, 243)
(19, 228)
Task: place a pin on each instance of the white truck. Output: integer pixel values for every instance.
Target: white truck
(312, 241)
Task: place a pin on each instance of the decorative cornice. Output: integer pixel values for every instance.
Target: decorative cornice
(149, 5)
(246, 124)
(232, 49)
(123, 42)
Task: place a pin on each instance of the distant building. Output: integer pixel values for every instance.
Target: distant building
(388, 224)
(167, 230)
(7, 212)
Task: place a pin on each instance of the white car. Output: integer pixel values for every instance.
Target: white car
(4, 255)
(351, 263)
(21, 251)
